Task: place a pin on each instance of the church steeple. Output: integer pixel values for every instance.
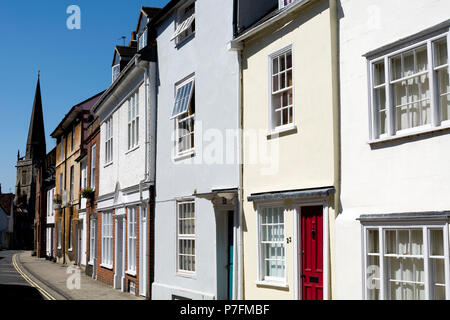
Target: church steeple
(36, 148)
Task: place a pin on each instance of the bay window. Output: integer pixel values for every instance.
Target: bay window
(406, 263)
(410, 89)
(186, 237)
(272, 255)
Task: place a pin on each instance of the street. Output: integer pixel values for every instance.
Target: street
(12, 285)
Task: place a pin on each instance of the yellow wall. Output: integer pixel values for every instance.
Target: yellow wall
(306, 157)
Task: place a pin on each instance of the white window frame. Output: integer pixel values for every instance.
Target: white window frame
(273, 128)
(131, 240)
(142, 39)
(115, 72)
(93, 164)
(109, 140)
(92, 238)
(59, 233)
(183, 24)
(185, 117)
(70, 234)
(185, 237)
(133, 121)
(382, 228)
(436, 122)
(107, 239)
(50, 204)
(262, 278)
(83, 175)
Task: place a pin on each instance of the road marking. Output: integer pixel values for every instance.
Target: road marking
(46, 295)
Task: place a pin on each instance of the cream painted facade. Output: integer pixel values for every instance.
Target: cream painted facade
(303, 156)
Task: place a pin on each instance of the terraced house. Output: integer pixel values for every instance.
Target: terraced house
(70, 135)
(126, 113)
(290, 167)
(392, 238)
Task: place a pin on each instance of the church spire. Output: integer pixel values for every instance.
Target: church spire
(36, 148)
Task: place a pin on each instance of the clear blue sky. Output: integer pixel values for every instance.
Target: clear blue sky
(74, 64)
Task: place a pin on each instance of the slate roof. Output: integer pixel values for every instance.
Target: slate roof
(6, 201)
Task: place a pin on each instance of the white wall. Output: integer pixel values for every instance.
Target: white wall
(410, 176)
(216, 94)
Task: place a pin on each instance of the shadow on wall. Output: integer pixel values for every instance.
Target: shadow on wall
(19, 293)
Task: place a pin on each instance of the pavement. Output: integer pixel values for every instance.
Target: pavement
(56, 282)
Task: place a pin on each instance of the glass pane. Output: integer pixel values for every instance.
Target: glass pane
(383, 122)
(373, 241)
(441, 53)
(413, 90)
(275, 83)
(282, 63)
(289, 60)
(439, 293)
(422, 59)
(275, 66)
(402, 118)
(445, 105)
(395, 291)
(379, 73)
(391, 242)
(416, 242)
(408, 64)
(289, 78)
(403, 241)
(437, 242)
(394, 268)
(419, 274)
(407, 269)
(420, 292)
(438, 271)
(283, 80)
(396, 63)
(400, 97)
(414, 115)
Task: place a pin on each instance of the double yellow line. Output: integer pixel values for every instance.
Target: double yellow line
(44, 293)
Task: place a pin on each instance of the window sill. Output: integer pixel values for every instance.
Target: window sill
(131, 273)
(132, 149)
(70, 249)
(186, 274)
(410, 134)
(272, 284)
(282, 131)
(183, 156)
(91, 263)
(108, 164)
(109, 267)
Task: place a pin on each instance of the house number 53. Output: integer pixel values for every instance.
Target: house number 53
(289, 240)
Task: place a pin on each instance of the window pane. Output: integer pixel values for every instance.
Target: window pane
(422, 59)
(275, 66)
(416, 242)
(289, 60)
(408, 64)
(391, 242)
(396, 63)
(403, 241)
(437, 242)
(282, 63)
(275, 83)
(379, 73)
(373, 241)
(441, 53)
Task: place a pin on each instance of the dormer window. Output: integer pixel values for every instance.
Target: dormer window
(115, 72)
(284, 3)
(185, 22)
(142, 40)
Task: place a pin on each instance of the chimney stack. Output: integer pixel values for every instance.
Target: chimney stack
(133, 36)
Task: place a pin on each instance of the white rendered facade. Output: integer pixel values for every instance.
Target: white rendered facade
(394, 182)
(200, 58)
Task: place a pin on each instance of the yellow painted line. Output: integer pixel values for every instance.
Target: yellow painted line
(46, 295)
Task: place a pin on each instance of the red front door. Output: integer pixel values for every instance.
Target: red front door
(312, 253)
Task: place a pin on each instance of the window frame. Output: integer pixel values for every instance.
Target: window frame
(186, 116)
(426, 249)
(142, 39)
(93, 165)
(131, 239)
(109, 140)
(273, 128)
(107, 239)
(133, 119)
(115, 72)
(185, 237)
(436, 123)
(282, 5)
(181, 18)
(261, 277)
(92, 239)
